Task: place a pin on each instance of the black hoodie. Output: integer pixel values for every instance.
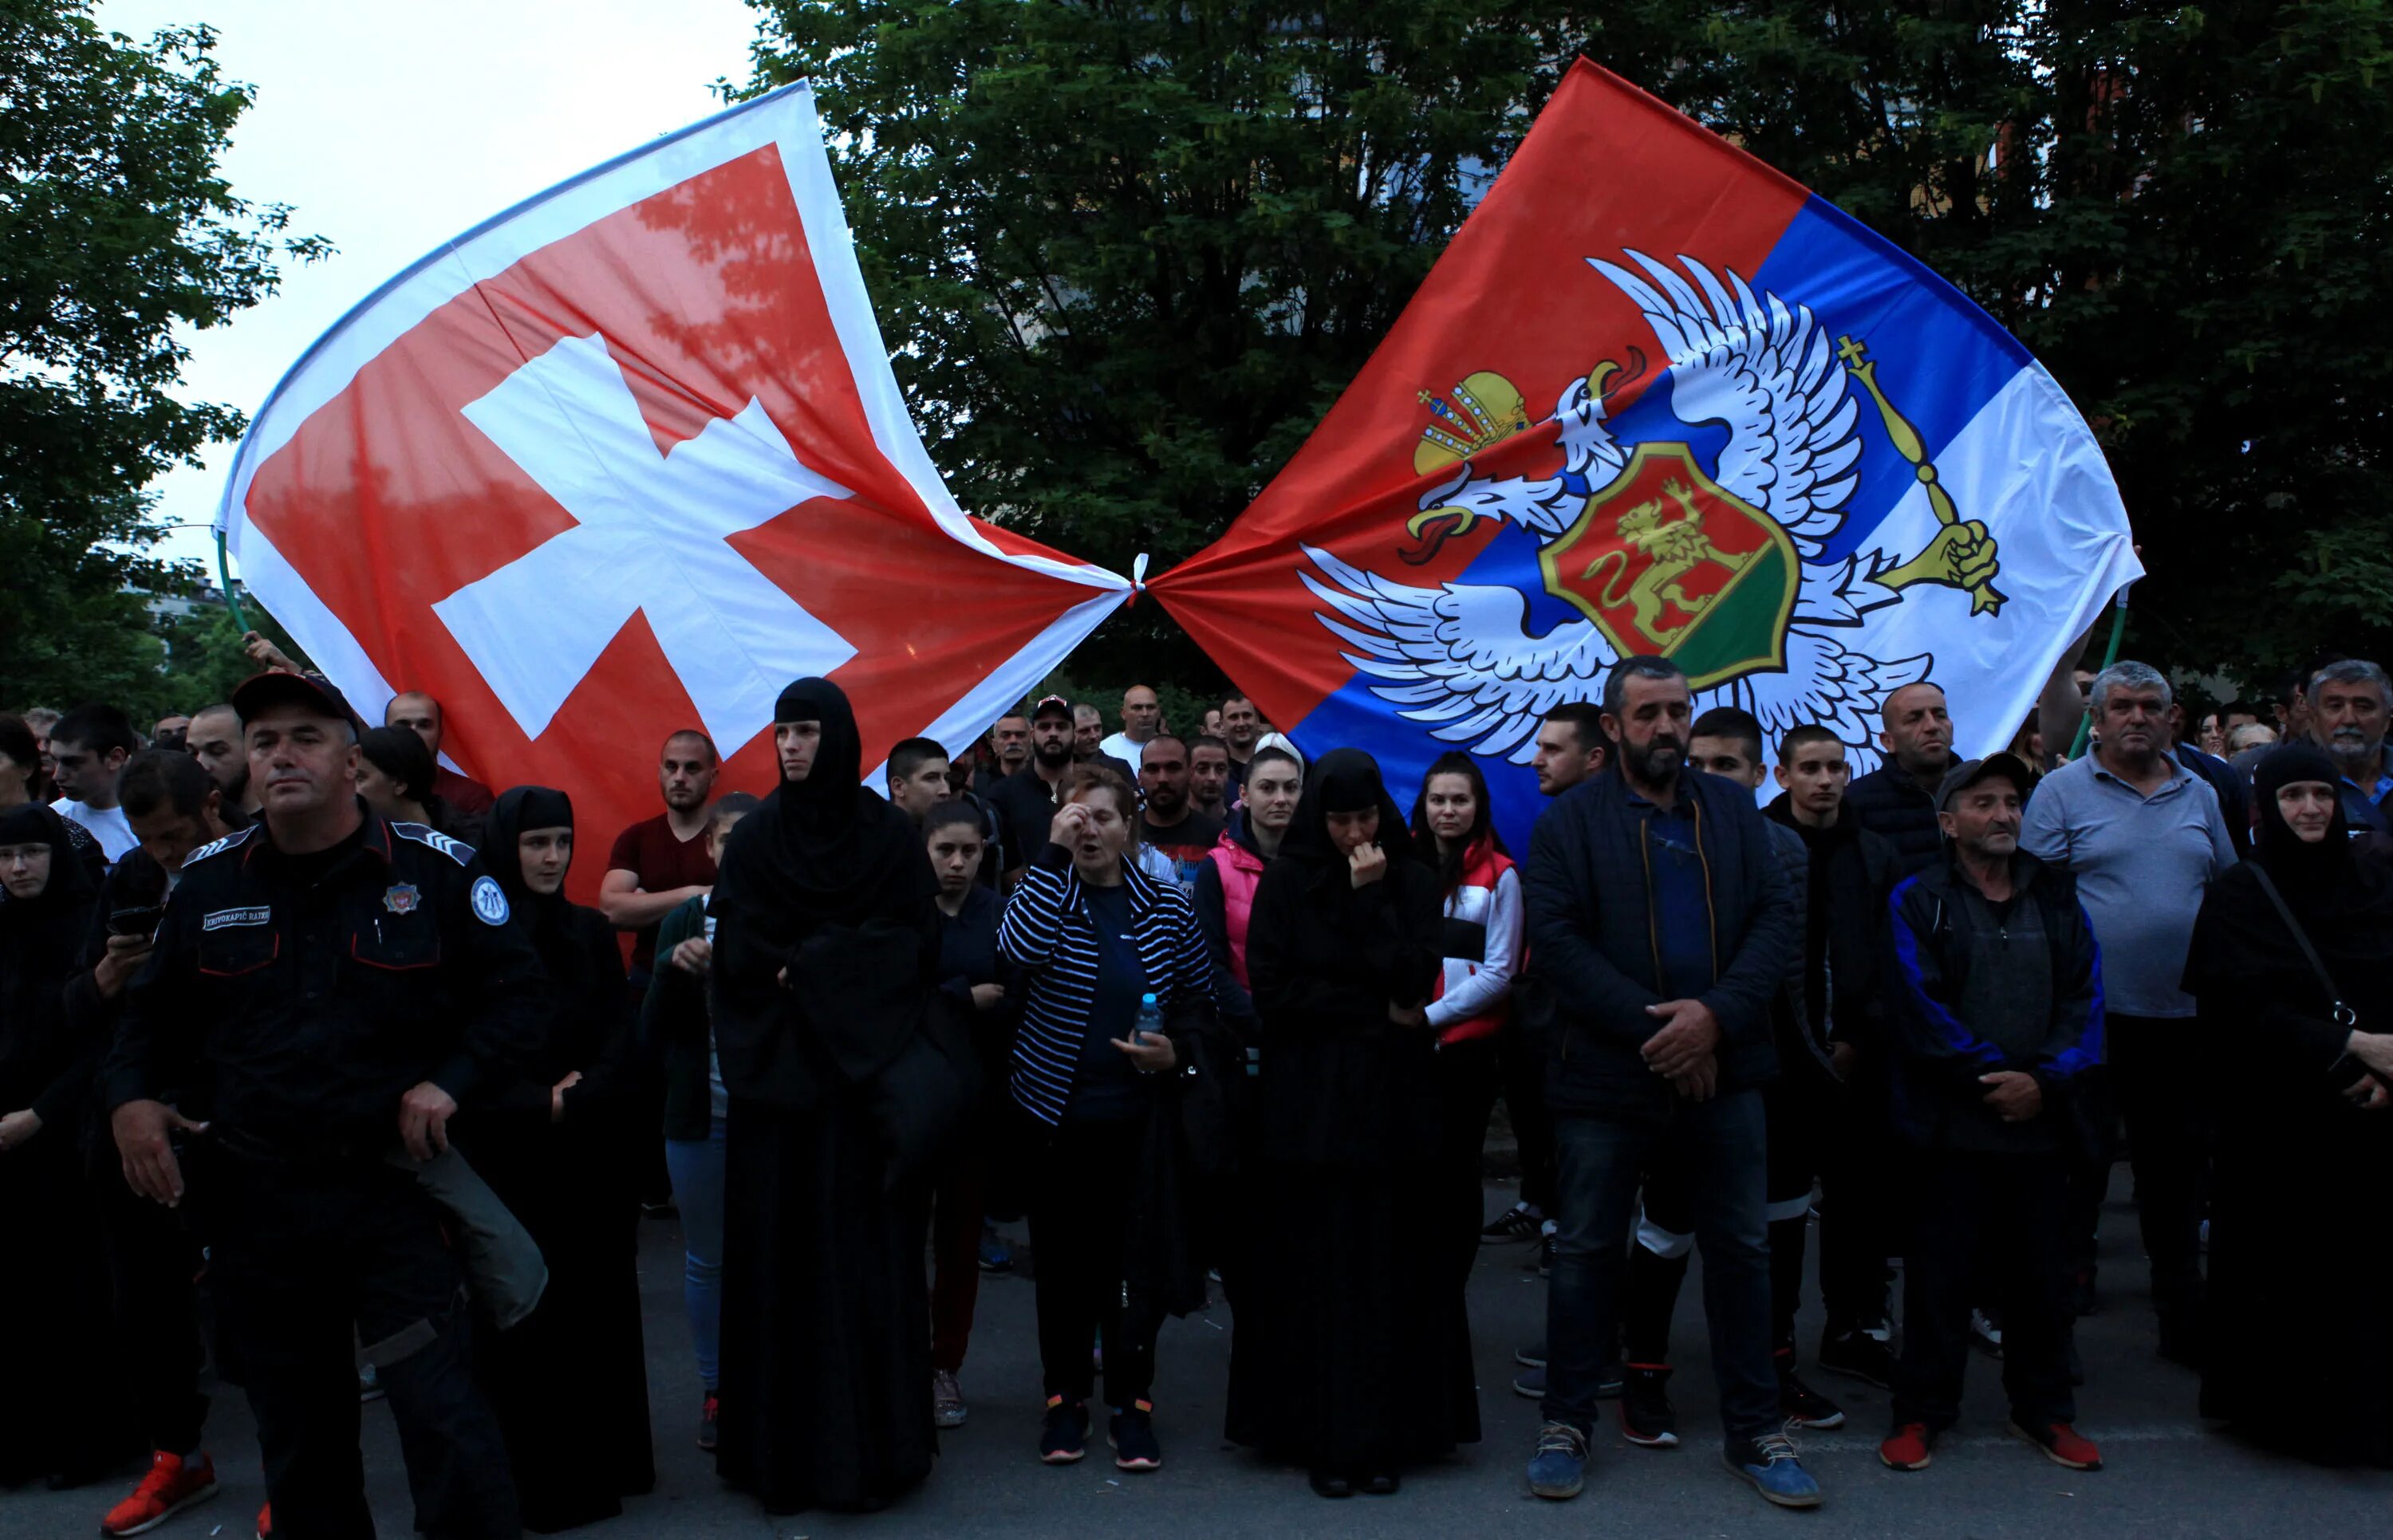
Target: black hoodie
(1851, 874)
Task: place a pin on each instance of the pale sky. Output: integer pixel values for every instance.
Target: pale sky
(389, 129)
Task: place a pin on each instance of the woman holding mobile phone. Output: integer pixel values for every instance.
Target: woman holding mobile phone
(1100, 939)
(1352, 1353)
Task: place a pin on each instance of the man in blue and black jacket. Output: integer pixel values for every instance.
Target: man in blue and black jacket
(1663, 923)
(1994, 1009)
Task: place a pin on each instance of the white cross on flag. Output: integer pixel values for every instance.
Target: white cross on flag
(628, 459)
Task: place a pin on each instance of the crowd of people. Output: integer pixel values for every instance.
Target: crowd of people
(301, 1026)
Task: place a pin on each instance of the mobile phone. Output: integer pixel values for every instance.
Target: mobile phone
(136, 921)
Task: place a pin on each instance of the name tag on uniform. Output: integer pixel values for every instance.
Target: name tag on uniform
(217, 920)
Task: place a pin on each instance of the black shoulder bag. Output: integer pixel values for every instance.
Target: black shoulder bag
(2338, 1012)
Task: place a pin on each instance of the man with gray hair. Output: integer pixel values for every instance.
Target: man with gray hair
(2143, 836)
(2349, 712)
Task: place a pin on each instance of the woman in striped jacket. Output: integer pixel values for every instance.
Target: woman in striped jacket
(1096, 935)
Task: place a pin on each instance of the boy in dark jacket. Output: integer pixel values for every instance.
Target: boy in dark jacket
(1658, 911)
(1831, 1092)
(1995, 1005)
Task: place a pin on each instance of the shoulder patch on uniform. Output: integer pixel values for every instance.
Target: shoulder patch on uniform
(489, 903)
(424, 835)
(213, 846)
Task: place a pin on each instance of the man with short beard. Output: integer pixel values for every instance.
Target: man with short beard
(659, 864)
(175, 807)
(1166, 820)
(1897, 801)
(422, 715)
(1660, 914)
(1026, 799)
(2349, 705)
(2143, 836)
(215, 742)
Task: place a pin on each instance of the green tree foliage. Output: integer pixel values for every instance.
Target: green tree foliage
(1129, 254)
(116, 232)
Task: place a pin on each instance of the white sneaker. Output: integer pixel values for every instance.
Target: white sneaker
(947, 1409)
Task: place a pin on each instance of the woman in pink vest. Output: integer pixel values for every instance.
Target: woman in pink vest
(1484, 921)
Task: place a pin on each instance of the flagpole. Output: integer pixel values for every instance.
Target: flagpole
(224, 576)
(2109, 656)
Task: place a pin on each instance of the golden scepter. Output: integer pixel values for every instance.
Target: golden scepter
(1939, 561)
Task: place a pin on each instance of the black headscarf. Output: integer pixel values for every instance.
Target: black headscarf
(822, 856)
(2310, 876)
(1344, 780)
(2341, 895)
(838, 851)
(520, 808)
(41, 938)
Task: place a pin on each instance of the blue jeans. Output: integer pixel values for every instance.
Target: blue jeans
(1719, 1151)
(697, 1168)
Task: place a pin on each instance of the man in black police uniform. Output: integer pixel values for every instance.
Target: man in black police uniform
(330, 986)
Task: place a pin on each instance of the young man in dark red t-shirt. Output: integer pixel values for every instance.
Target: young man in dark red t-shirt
(660, 863)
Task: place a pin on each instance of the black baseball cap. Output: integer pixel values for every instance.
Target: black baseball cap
(262, 691)
(1968, 772)
(1054, 705)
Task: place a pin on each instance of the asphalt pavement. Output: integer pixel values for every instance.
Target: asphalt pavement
(2166, 1474)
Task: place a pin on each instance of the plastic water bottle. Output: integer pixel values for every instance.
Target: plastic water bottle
(1150, 1018)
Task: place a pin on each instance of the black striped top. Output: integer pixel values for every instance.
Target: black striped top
(1048, 932)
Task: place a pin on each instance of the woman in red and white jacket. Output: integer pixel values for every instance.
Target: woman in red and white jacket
(1483, 942)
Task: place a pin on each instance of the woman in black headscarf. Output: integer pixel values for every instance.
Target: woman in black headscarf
(569, 1383)
(825, 953)
(1353, 1351)
(2301, 1350)
(60, 1413)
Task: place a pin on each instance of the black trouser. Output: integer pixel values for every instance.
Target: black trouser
(153, 1266)
(1079, 1229)
(1469, 1077)
(1817, 1131)
(1522, 1067)
(2089, 1167)
(2155, 1075)
(311, 1257)
(1986, 1223)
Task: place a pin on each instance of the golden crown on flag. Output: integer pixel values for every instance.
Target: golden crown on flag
(1484, 410)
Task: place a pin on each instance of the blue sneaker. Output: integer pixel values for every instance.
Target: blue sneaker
(1771, 1463)
(996, 1256)
(1559, 1469)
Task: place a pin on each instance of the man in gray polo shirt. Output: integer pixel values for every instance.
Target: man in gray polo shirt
(2143, 836)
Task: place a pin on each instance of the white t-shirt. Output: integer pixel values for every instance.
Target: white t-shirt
(107, 826)
(1121, 748)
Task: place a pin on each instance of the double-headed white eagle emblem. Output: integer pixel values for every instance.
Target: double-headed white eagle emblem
(1726, 571)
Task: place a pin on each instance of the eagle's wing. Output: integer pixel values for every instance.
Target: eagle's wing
(1824, 682)
(1765, 371)
(1459, 658)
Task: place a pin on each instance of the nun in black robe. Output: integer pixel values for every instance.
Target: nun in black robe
(1352, 1350)
(62, 1415)
(826, 951)
(2299, 1353)
(569, 1383)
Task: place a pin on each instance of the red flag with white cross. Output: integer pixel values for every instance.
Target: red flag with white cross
(626, 459)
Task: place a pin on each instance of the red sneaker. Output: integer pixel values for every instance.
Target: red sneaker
(172, 1484)
(2061, 1444)
(1907, 1448)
